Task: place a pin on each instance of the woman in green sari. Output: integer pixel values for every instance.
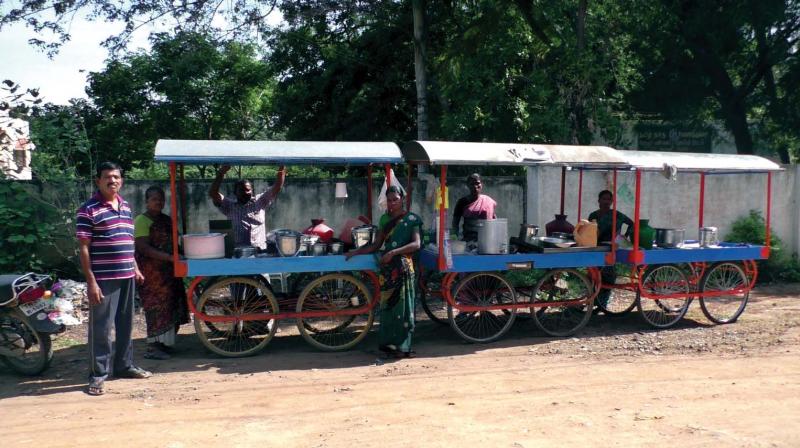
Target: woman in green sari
(398, 239)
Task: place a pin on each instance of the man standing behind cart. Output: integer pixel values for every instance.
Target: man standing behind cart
(246, 212)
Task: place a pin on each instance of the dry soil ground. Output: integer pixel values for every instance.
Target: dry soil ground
(618, 383)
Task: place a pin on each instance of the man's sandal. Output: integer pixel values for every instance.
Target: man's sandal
(96, 387)
(134, 373)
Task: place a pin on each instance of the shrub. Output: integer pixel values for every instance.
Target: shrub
(781, 266)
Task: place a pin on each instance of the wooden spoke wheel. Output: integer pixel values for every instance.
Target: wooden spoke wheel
(236, 297)
(331, 293)
(570, 287)
(725, 276)
(660, 280)
(482, 289)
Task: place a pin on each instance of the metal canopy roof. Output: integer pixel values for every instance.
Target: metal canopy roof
(695, 162)
(235, 152)
(464, 153)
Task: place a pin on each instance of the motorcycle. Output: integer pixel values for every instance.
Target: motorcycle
(30, 313)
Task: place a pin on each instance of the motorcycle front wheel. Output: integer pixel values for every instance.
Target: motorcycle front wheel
(31, 351)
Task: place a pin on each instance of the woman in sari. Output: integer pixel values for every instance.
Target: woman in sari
(162, 295)
(473, 207)
(398, 239)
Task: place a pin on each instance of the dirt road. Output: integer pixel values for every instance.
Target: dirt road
(618, 383)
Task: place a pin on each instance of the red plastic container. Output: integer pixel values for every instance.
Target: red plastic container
(319, 228)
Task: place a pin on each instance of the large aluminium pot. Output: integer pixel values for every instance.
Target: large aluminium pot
(492, 236)
(670, 238)
(288, 242)
(204, 245)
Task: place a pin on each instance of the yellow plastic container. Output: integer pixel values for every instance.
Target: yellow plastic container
(586, 233)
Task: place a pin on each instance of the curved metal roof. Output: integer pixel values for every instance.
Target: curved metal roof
(237, 152)
(468, 153)
(699, 162)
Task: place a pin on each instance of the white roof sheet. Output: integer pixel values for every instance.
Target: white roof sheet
(261, 152)
(467, 153)
(699, 162)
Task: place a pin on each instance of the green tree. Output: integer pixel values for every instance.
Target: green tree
(708, 59)
(188, 86)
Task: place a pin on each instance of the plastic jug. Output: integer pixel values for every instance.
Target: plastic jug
(586, 233)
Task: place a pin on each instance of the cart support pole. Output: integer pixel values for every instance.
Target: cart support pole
(611, 257)
(182, 192)
(580, 192)
(369, 193)
(637, 256)
(409, 188)
(563, 180)
(179, 267)
(702, 198)
(442, 214)
(765, 251)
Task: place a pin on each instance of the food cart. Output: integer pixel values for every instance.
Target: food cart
(237, 314)
(482, 303)
(664, 280)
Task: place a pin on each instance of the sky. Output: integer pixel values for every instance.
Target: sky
(60, 78)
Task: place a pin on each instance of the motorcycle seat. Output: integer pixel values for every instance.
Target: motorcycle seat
(6, 290)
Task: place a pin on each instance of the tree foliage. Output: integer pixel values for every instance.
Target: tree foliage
(188, 86)
(500, 70)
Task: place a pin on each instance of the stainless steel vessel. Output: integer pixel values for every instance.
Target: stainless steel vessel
(244, 251)
(319, 248)
(363, 235)
(493, 236)
(527, 232)
(670, 238)
(336, 248)
(708, 236)
(287, 242)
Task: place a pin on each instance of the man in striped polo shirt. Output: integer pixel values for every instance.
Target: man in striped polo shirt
(246, 212)
(105, 238)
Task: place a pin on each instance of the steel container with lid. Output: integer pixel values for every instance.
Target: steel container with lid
(527, 232)
(708, 236)
(363, 235)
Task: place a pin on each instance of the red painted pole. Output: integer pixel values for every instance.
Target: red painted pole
(442, 215)
(702, 198)
(636, 209)
(563, 178)
(769, 207)
(173, 206)
(409, 188)
(580, 192)
(369, 192)
(614, 214)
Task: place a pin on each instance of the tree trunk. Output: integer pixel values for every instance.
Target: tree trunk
(576, 104)
(420, 68)
(735, 117)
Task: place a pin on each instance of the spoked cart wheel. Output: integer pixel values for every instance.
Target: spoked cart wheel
(729, 279)
(332, 293)
(430, 296)
(572, 293)
(482, 289)
(236, 297)
(618, 301)
(664, 280)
